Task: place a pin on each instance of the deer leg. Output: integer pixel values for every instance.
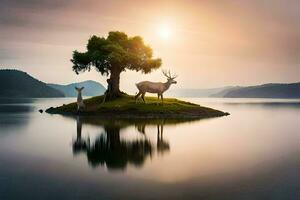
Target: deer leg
(137, 96)
(158, 98)
(162, 98)
(143, 97)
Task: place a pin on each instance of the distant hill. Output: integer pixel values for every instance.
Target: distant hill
(223, 92)
(195, 92)
(271, 90)
(265, 91)
(91, 88)
(18, 84)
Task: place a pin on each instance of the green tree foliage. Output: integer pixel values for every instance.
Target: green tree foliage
(112, 55)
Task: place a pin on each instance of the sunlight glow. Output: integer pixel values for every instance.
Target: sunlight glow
(164, 32)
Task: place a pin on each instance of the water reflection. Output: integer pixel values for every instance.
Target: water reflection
(270, 105)
(162, 145)
(115, 152)
(251, 154)
(13, 116)
(80, 144)
(17, 101)
(110, 150)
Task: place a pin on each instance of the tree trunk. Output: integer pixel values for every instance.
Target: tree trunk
(113, 88)
(113, 136)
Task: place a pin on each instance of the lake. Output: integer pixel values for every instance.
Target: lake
(254, 153)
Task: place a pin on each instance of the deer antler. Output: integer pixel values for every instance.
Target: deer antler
(168, 74)
(165, 73)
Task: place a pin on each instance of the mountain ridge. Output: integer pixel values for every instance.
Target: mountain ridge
(91, 88)
(19, 84)
(267, 90)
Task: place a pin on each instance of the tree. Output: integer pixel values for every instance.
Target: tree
(113, 55)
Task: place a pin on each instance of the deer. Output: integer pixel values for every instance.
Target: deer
(80, 104)
(155, 87)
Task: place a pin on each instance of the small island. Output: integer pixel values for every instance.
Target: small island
(118, 53)
(125, 107)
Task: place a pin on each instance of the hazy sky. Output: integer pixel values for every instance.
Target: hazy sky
(208, 43)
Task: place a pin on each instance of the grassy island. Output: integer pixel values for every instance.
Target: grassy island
(126, 108)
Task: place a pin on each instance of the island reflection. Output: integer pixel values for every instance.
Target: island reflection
(115, 153)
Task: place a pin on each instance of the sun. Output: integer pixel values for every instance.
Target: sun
(164, 31)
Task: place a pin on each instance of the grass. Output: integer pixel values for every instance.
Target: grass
(126, 107)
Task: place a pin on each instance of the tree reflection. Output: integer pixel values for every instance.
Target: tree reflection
(115, 152)
(110, 150)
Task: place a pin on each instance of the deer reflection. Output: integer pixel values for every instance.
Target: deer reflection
(79, 144)
(162, 145)
(110, 150)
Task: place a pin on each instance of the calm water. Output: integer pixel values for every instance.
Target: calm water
(252, 154)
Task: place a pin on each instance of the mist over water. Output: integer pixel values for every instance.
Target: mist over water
(251, 154)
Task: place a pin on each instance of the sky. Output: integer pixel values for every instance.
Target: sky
(207, 43)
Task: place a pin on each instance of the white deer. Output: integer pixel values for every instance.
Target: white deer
(80, 104)
(155, 87)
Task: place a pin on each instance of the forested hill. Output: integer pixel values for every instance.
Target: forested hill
(18, 84)
(270, 90)
(91, 88)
